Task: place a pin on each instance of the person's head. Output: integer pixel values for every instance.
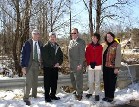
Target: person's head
(96, 38)
(74, 33)
(52, 37)
(35, 34)
(109, 37)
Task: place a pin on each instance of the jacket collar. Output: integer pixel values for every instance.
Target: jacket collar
(97, 44)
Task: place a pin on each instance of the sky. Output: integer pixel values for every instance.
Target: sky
(79, 7)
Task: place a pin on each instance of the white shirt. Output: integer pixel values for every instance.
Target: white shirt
(38, 49)
(75, 39)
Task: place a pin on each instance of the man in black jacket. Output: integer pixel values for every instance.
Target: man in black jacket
(52, 58)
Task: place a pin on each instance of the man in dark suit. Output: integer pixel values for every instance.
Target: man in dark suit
(30, 61)
(76, 59)
(52, 58)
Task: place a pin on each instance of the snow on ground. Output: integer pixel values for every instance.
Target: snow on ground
(13, 98)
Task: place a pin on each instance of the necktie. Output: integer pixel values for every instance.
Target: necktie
(35, 52)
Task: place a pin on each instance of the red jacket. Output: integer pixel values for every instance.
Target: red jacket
(94, 54)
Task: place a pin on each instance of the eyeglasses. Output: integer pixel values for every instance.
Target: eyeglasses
(36, 33)
(73, 33)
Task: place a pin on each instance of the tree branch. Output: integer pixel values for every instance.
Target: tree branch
(86, 6)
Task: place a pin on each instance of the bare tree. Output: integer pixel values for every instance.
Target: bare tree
(105, 10)
(98, 15)
(89, 8)
(20, 17)
(114, 10)
(16, 37)
(47, 16)
(57, 10)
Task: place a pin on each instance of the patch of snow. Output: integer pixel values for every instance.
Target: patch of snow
(13, 98)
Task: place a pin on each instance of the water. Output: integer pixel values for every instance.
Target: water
(129, 72)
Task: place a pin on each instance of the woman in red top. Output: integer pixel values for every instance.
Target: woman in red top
(93, 57)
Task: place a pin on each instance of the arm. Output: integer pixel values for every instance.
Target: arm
(87, 55)
(60, 59)
(99, 56)
(82, 52)
(25, 55)
(118, 57)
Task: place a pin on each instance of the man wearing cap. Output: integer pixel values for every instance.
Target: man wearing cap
(30, 61)
(52, 58)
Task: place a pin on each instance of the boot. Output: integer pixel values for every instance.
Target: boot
(96, 97)
(104, 99)
(78, 97)
(88, 95)
(110, 100)
(27, 102)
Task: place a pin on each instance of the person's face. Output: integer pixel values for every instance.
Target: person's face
(74, 34)
(52, 38)
(109, 38)
(94, 39)
(35, 36)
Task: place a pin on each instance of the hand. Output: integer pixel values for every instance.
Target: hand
(56, 65)
(79, 67)
(24, 71)
(92, 64)
(116, 71)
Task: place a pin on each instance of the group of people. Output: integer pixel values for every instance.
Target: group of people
(99, 59)
(106, 59)
(49, 56)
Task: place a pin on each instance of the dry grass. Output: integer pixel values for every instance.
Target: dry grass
(130, 58)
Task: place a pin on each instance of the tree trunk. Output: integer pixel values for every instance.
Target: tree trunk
(25, 32)
(51, 15)
(16, 59)
(98, 15)
(90, 18)
(46, 26)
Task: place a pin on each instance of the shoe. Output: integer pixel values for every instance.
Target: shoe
(78, 97)
(88, 95)
(48, 100)
(54, 98)
(109, 99)
(96, 97)
(74, 92)
(34, 96)
(27, 102)
(105, 99)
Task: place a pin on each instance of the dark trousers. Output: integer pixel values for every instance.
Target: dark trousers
(50, 81)
(109, 78)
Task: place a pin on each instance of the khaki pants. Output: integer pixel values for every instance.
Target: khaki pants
(94, 78)
(31, 80)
